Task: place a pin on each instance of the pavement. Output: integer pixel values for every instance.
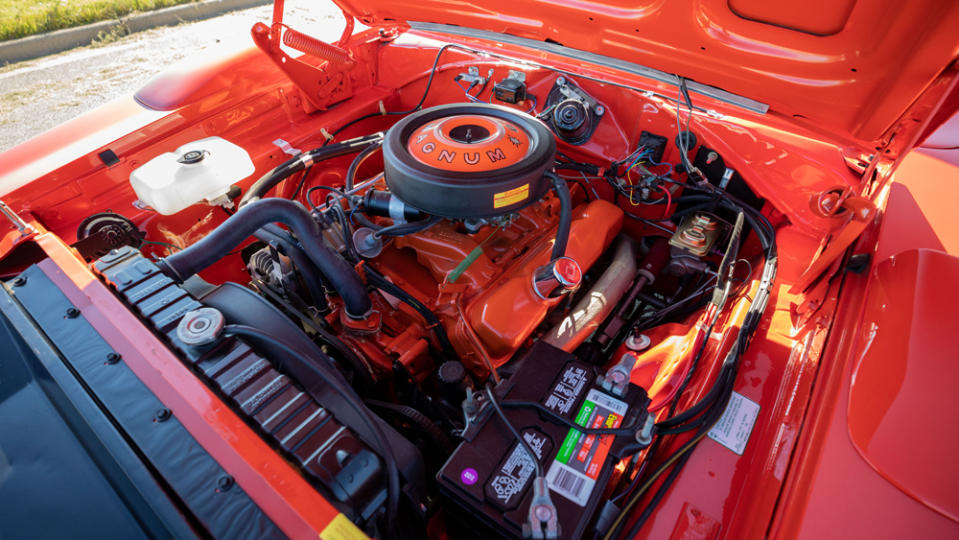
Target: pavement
(40, 94)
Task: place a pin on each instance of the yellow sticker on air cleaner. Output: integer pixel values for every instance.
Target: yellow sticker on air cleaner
(513, 196)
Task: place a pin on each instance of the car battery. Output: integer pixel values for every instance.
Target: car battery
(490, 475)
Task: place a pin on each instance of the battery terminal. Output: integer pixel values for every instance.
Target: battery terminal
(543, 519)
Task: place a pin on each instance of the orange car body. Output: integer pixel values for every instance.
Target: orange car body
(853, 368)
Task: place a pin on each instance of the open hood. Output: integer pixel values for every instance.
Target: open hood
(849, 68)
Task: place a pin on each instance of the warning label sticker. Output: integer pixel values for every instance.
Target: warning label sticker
(513, 196)
(580, 459)
(566, 389)
(736, 424)
(514, 473)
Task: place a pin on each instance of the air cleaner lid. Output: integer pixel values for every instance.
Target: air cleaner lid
(467, 161)
(469, 142)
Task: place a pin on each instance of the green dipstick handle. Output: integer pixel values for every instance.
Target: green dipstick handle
(464, 264)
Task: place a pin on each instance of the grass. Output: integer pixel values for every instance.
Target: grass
(19, 18)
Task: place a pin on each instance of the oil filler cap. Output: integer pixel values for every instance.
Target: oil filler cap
(556, 278)
(568, 271)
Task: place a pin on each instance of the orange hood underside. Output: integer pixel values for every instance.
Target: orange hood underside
(851, 68)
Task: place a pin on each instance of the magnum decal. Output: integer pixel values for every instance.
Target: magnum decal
(470, 158)
(495, 155)
(446, 155)
(469, 143)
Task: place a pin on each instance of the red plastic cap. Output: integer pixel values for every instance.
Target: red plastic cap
(568, 272)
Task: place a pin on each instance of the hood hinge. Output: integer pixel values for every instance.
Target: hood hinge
(854, 212)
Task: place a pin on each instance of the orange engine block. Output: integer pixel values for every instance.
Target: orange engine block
(489, 310)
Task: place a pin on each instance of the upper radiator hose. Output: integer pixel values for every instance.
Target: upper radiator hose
(251, 217)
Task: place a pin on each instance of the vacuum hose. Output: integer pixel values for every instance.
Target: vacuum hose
(245, 222)
(565, 215)
(304, 160)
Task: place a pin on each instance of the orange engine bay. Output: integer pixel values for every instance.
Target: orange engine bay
(472, 276)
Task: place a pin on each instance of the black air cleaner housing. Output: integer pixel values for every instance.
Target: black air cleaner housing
(468, 161)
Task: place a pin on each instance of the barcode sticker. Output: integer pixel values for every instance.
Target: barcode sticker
(580, 459)
(569, 483)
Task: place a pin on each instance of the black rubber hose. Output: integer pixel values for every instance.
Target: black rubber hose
(362, 378)
(353, 400)
(437, 435)
(304, 160)
(311, 276)
(565, 215)
(403, 229)
(379, 281)
(355, 164)
(238, 227)
(350, 181)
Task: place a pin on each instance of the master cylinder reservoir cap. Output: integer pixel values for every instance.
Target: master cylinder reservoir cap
(556, 278)
(200, 327)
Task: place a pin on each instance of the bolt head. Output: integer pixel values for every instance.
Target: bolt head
(20, 281)
(638, 342)
(162, 415)
(224, 483)
(543, 512)
(73, 313)
(113, 358)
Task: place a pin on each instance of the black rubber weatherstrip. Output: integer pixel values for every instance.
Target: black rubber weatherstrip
(195, 477)
(93, 444)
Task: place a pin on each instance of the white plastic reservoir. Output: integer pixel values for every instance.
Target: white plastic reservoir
(202, 170)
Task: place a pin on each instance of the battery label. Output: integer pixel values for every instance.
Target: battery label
(566, 389)
(512, 477)
(580, 459)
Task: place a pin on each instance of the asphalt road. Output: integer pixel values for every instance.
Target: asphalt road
(40, 94)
